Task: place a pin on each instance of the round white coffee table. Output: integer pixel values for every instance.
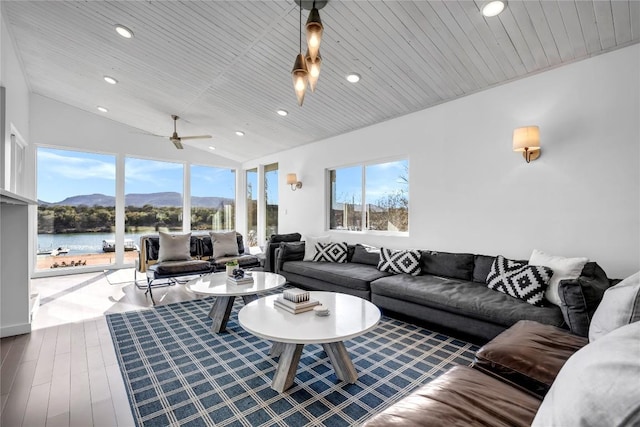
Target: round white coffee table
(349, 317)
(216, 285)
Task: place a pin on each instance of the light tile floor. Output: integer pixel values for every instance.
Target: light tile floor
(65, 372)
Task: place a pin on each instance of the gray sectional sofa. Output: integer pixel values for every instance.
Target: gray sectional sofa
(450, 292)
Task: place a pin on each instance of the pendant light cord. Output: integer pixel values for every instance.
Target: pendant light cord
(300, 28)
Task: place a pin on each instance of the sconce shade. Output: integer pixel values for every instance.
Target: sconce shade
(526, 138)
(314, 70)
(314, 32)
(291, 178)
(300, 75)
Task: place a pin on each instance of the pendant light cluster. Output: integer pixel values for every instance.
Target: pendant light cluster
(306, 68)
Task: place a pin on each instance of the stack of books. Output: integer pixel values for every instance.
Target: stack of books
(242, 281)
(296, 295)
(295, 301)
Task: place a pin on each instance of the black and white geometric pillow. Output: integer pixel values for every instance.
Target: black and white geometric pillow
(398, 262)
(519, 279)
(331, 252)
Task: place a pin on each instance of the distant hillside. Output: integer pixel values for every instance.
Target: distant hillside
(139, 200)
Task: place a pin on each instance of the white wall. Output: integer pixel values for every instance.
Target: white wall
(471, 193)
(17, 99)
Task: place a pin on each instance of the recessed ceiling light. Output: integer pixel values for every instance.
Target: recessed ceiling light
(353, 77)
(124, 31)
(211, 147)
(282, 112)
(102, 109)
(110, 80)
(239, 133)
(493, 8)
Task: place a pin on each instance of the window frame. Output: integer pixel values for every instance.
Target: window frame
(363, 166)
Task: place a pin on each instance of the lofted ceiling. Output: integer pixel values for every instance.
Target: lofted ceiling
(225, 66)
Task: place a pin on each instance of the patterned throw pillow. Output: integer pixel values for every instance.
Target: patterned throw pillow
(519, 280)
(399, 262)
(331, 252)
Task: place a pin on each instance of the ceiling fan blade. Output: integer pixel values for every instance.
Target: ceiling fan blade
(177, 143)
(196, 137)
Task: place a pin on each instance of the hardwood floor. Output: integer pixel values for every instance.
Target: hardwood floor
(65, 372)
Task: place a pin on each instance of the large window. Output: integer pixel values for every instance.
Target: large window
(153, 197)
(76, 208)
(252, 208)
(383, 190)
(213, 198)
(271, 199)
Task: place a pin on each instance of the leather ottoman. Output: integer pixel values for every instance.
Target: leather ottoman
(462, 396)
(529, 355)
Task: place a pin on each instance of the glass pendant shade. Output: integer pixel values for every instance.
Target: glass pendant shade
(300, 75)
(314, 70)
(314, 33)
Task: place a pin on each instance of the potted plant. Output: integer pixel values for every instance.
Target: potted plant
(231, 265)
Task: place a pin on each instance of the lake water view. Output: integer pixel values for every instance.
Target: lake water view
(81, 243)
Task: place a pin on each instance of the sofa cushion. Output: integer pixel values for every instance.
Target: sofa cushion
(461, 397)
(174, 247)
(244, 261)
(563, 268)
(597, 386)
(180, 268)
(464, 298)
(331, 252)
(364, 254)
(224, 244)
(580, 297)
(207, 246)
(273, 244)
(620, 306)
(445, 264)
(529, 354)
(351, 275)
(291, 237)
(310, 245)
(519, 280)
(481, 267)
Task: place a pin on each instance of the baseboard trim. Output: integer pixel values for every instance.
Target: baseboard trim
(9, 331)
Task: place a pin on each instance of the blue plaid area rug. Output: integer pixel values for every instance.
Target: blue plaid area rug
(178, 373)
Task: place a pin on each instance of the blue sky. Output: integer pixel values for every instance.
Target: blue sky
(62, 174)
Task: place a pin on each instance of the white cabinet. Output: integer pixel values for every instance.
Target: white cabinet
(15, 259)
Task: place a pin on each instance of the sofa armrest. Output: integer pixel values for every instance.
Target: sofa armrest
(288, 251)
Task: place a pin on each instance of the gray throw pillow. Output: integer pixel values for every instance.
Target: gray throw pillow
(224, 244)
(598, 385)
(620, 305)
(580, 297)
(364, 254)
(174, 247)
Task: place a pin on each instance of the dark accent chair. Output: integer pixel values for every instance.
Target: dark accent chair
(202, 262)
(273, 244)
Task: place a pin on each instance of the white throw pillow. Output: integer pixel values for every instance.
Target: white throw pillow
(620, 306)
(224, 244)
(310, 246)
(174, 247)
(563, 269)
(598, 385)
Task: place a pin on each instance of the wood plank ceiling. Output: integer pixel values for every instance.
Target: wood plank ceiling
(225, 65)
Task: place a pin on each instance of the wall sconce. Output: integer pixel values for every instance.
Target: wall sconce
(292, 180)
(527, 140)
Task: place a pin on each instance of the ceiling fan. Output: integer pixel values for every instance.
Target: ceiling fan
(177, 140)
